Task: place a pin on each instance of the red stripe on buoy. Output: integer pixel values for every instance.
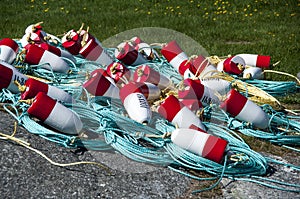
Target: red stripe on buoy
(98, 84)
(11, 43)
(34, 54)
(199, 64)
(6, 75)
(42, 106)
(194, 89)
(192, 104)
(263, 61)
(214, 149)
(132, 87)
(92, 50)
(145, 73)
(171, 50)
(33, 87)
(170, 107)
(50, 48)
(128, 54)
(231, 67)
(234, 102)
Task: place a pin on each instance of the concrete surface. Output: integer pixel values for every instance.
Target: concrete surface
(25, 174)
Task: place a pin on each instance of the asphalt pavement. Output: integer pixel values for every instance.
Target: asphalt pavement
(25, 174)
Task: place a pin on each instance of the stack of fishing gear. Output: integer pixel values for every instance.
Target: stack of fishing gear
(152, 104)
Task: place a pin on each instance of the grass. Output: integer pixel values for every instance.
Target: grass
(221, 27)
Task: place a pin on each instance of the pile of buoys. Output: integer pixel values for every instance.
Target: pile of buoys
(125, 98)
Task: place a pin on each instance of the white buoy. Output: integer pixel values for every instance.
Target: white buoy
(145, 73)
(99, 85)
(243, 109)
(33, 87)
(200, 143)
(253, 73)
(195, 90)
(8, 75)
(135, 103)
(8, 50)
(177, 113)
(59, 52)
(38, 56)
(54, 114)
(177, 58)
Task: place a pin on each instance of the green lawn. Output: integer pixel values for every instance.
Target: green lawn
(221, 27)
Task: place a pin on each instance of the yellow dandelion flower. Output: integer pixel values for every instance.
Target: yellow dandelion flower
(293, 14)
(237, 12)
(255, 10)
(245, 9)
(250, 14)
(225, 11)
(206, 13)
(179, 13)
(32, 6)
(45, 3)
(149, 13)
(32, 1)
(62, 8)
(67, 11)
(136, 9)
(277, 15)
(198, 5)
(84, 8)
(246, 15)
(214, 19)
(46, 10)
(177, 7)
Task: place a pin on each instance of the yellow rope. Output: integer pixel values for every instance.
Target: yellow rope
(27, 145)
(282, 73)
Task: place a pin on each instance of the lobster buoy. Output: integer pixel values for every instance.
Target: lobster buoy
(177, 58)
(201, 67)
(35, 33)
(54, 114)
(193, 104)
(59, 52)
(200, 143)
(232, 65)
(253, 73)
(72, 42)
(135, 103)
(8, 50)
(261, 61)
(93, 51)
(150, 91)
(128, 55)
(144, 48)
(243, 109)
(100, 85)
(195, 90)
(32, 87)
(177, 113)
(118, 72)
(145, 73)
(38, 56)
(8, 75)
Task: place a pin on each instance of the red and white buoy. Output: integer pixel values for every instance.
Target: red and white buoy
(54, 114)
(119, 72)
(200, 143)
(59, 52)
(35, 33)
(177, 58)
(99, 85)
(253, 73)
(128, 55)
(144, 48)
(150, 91)
(177, 113)
(195, 90)
(145, 73)
(93, 51)
(32, 87)
(232, 65)
(201, 67)
(193, 104)
(261, 61)
(243, 109)
(135, 103)
(8, 75)
(71, 41)
(8, 50)
(38, 56)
